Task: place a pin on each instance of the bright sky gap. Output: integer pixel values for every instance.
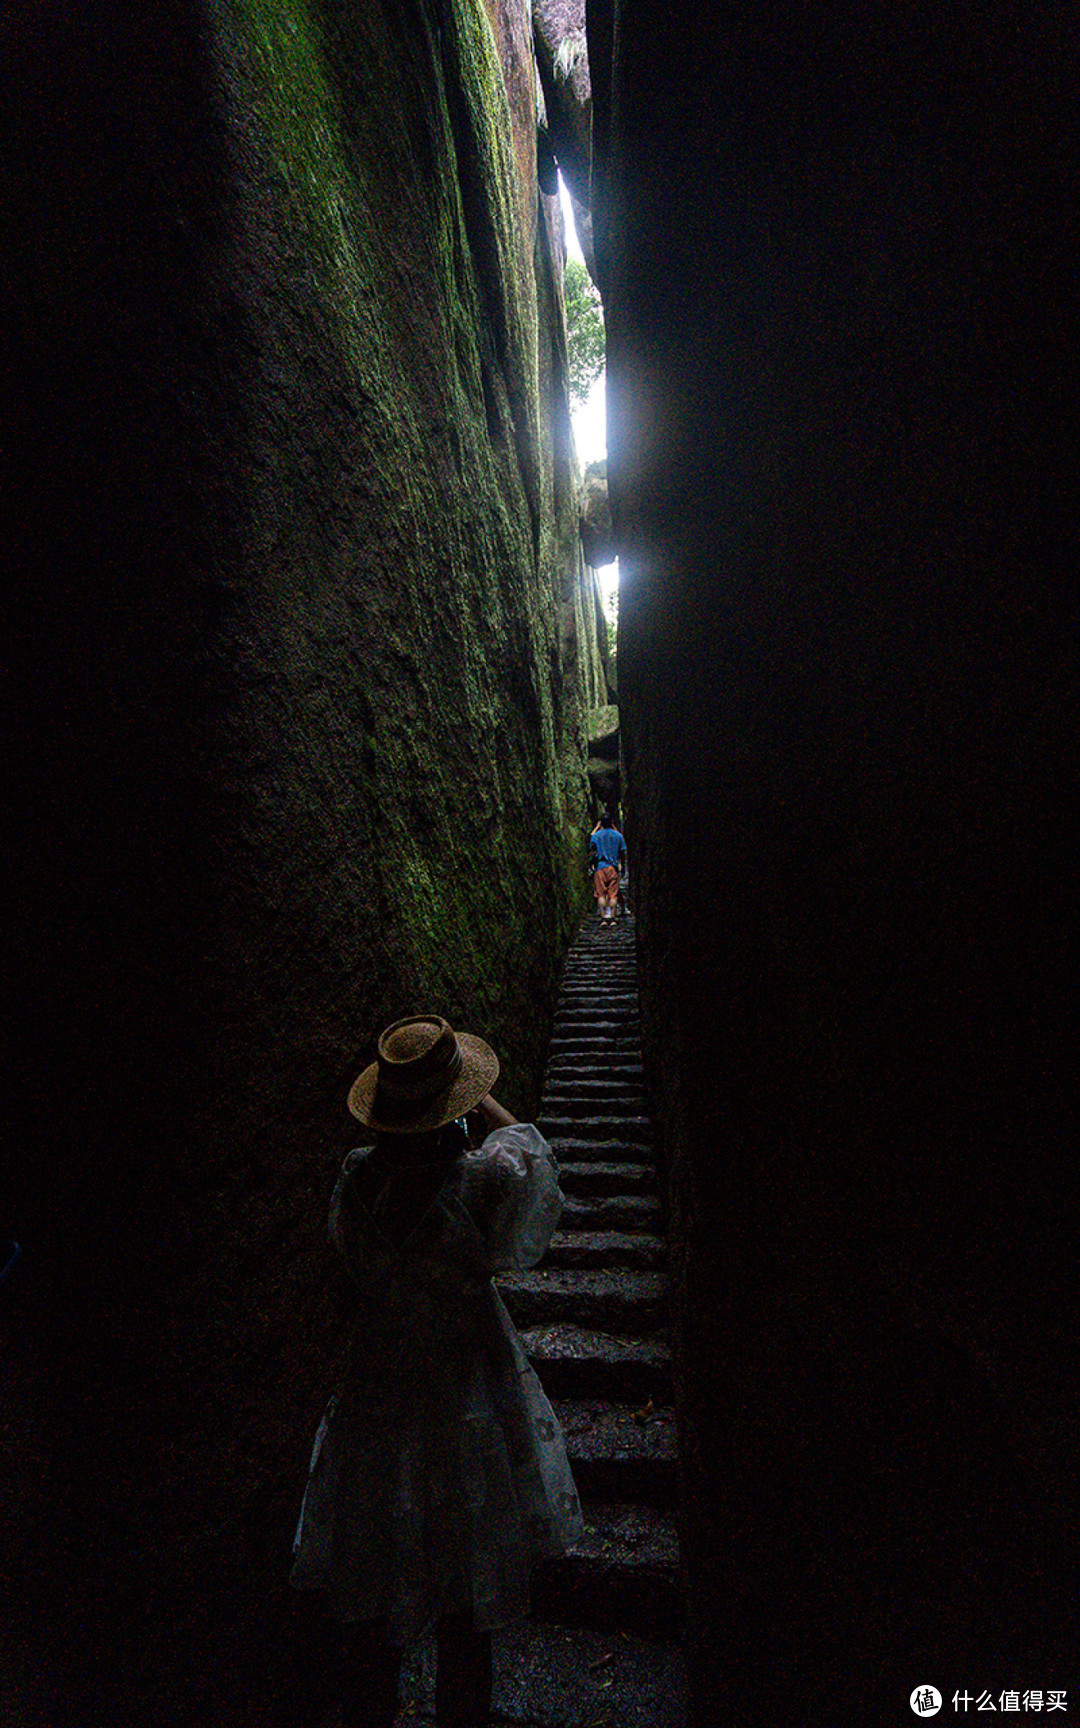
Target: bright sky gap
(589, 422)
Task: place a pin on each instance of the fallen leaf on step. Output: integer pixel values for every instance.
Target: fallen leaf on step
(646, 1414)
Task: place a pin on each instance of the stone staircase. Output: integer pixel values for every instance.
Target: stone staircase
(592, 1316)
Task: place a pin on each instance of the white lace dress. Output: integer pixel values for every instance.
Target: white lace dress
(439, 1474)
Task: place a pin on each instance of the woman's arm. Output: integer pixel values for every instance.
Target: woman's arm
(494, 1114)
(511, 1190)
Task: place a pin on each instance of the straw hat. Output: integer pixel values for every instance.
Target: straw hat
(425, 1075)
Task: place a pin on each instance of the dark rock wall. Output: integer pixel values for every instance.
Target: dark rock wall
(300, 648)
(837, 255)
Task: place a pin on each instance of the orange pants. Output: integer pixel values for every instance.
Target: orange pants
(606, 885)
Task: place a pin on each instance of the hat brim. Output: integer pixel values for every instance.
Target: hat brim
(477, 1075)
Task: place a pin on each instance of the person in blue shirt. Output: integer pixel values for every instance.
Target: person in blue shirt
(607, 853)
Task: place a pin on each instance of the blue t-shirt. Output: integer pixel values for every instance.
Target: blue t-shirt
(609, 847)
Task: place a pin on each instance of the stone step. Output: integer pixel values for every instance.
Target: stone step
(586, 1014)
(629, 1078)
(622, 1034)
(623, 1575)
(601, 957)
(604, 1106)
(629, 1081)
(562, 1673)
(638, 1251)
(598, 1030)
(586, 1180)
(600, 978)
(620, 1064)
(592, 974)
(586, 1047)
(602, 1298)
(598, 1085)
(596, 1130)
(605, 993)
(593, 1212)
(620, 1451)
(617, 998)
(575, 1150)
(573, 1362)
(598, 1056)
(595, 1125)
(599, 1082)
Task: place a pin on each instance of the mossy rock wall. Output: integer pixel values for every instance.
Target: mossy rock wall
(300, 692)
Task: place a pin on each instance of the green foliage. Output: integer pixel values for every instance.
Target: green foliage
(611, 618)
(584, 330)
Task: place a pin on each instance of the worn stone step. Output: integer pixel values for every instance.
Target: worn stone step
(594, 1124)
(620, 1064)
(605, 1298)
(594, 973)
(599, 1055)
(622, 1576)
(638, 1250)
(598, 1106)
(586, 1046)
(597, 1085)
(615, 997)
(574, 1362)
(603, 991)
(622, 1087)
(595, 1032)
(630, 1079)
(603, 1085)
(593, 977)
(621, 1452)
(560, 1672)
(608, 1041)
(570, 1015)
(592, 1212)
(592, 1179)
(580, 1032)
(598, 1029)
(600, 983)
(575, 1150)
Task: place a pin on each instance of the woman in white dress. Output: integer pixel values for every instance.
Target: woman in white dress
(439, 1475)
